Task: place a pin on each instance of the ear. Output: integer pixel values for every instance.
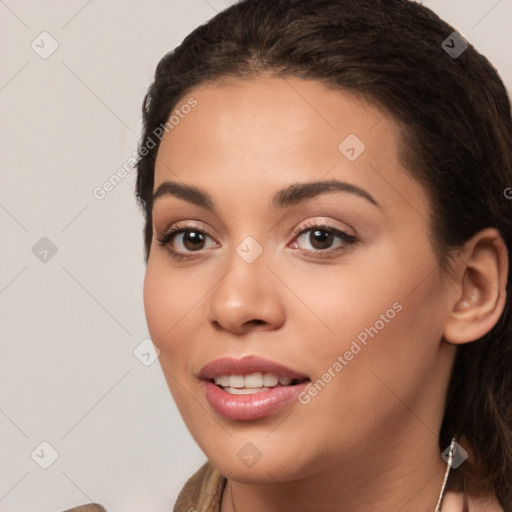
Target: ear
(480, 287)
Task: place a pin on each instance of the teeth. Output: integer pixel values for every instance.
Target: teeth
(237, 381)
(269, 379)
(223, 380)
(252, 381)
(244, 391)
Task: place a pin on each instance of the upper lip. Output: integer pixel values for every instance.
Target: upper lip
(245, 366)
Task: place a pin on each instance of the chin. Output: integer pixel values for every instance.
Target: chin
(262, 472)
(234, 461)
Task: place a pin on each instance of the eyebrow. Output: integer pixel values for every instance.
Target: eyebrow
(290, 196)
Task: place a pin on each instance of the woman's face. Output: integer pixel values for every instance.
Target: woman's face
(355, 307)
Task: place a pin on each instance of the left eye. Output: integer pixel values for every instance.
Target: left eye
(321, 238)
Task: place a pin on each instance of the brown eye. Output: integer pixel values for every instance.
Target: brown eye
(182, 241)
(322, 239)
(192, 240)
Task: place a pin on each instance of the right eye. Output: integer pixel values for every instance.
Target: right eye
(187, 238)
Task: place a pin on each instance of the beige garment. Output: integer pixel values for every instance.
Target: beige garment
(202, 492)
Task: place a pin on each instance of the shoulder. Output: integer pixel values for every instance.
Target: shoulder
(202, 492)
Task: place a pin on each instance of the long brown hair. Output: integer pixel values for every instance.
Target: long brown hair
(457, 138)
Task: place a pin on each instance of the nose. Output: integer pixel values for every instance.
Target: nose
(246, 298)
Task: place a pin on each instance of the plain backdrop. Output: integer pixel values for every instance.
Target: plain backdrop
(71, 310)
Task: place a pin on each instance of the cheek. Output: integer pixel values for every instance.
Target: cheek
(388, 301)
(168, 307)
(343, 300)
(175, 303)
(155, 303)
(165, 303)
(388, 341)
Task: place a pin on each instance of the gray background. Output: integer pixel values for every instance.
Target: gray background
(70, 321)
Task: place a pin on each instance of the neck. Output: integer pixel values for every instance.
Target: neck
(389, 476)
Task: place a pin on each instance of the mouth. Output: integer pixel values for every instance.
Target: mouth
(253, 383)
(251, 387)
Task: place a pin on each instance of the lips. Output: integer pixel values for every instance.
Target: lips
(246, 366)
(250, 387)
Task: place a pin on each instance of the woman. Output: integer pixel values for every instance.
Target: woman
(326, 185)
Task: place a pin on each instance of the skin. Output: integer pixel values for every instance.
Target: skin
(369, 439)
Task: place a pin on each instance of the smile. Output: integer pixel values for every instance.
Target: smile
(252, 383)
(251, 387)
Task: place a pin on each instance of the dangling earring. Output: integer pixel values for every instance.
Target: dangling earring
(451, 454)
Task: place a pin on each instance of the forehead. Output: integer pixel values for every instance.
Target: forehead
(271, 114)
(263, 134)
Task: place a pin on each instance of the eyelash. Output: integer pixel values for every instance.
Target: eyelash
(165, 238)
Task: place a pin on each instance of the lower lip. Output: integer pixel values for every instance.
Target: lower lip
(253, 406)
